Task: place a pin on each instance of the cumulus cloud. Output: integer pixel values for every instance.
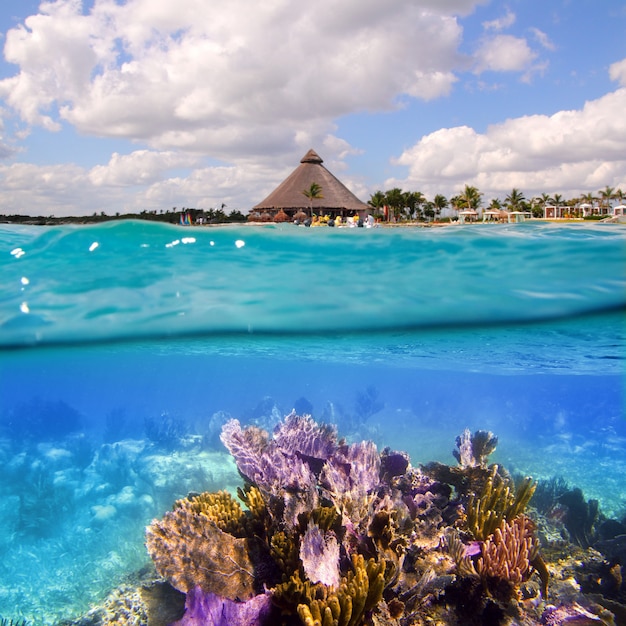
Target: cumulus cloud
(231, 77)
(74, 190)
(141, 167)
(504, 53)
(577, 150)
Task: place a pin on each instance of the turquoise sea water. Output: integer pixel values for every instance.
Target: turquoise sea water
(125, 346)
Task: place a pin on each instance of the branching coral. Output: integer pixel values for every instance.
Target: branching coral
(360, 591)
(496, 503)
(509, 552)
(507, 556)
(219, 507)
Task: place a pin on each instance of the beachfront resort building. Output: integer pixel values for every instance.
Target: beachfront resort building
(289, 201)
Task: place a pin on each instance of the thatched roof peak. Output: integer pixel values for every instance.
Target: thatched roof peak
(311, 157)
(289, 195)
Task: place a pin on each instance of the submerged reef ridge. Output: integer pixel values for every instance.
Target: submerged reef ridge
(330, 533)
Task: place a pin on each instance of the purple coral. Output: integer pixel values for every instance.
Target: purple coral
(302, 461)
(352, 468)
(209, 609)
(319, 553)
(302, 435)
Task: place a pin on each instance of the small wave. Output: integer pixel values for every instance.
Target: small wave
(125, 280)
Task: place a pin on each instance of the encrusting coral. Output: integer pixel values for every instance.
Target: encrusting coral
(338, 534)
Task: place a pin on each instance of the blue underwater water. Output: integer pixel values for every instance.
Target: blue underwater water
(124, 347)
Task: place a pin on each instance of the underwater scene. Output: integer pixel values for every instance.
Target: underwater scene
(277, 425)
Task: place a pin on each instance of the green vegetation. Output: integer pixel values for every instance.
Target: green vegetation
(399, 205)
(170, 216)
(314, 192)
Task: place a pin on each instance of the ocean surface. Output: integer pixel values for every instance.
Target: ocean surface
(124, 347)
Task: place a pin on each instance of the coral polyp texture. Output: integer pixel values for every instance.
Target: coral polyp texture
(331, 533)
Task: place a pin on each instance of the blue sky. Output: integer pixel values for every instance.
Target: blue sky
(125, 105)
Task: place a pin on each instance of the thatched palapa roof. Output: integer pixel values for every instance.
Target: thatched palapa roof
(288, 196)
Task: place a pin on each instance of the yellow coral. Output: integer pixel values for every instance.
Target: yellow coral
(285, 553)
(219, 507)
(497, 503)
(253, 498)
(360, 591)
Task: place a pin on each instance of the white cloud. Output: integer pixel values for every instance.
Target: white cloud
(141, 167)
(504, 53)
(617, 72)
(543, 39)
(73, 190)
(231, 77)
(578, 150)
(501, 23)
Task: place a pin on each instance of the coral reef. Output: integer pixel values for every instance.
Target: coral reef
(336, 534)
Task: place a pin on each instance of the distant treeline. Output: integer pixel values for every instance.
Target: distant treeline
(173, 216)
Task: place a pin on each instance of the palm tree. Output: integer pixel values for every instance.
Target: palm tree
(470, 198)
(514, 200)
(607, 195)
(495, 204)
(413, 200)
(313, 193)
(440, 202)
(429, 210)
(377, 200)
(557, 199)
(589, 198)
(395, 200)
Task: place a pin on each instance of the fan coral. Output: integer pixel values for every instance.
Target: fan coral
(301, 435)
(473, 450)
(303, 462)
(190, 550)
